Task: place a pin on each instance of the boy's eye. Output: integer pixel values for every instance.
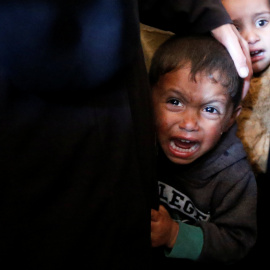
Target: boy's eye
(175, 102)
(210, 110)
(261, 23)
(237, 27)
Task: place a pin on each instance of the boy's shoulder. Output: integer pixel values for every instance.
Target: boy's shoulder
(226, 155)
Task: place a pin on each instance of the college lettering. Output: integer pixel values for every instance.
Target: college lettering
(180, 202)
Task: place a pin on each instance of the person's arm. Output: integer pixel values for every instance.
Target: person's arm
(181, 16)
(232, 229)
(228, 35)
(179, 239)
(228, 235)
(196, 16)
(164, 229)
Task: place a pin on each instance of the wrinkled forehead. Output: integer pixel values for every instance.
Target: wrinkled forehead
(215, 77)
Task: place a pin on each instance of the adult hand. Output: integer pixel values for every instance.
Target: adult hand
(237, 47)
(164, 229)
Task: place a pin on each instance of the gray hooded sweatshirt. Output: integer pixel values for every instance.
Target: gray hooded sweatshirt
(214, 200)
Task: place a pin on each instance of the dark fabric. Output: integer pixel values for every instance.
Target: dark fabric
(76, 136)
(195, 16)
(73, 165)
(268, 166)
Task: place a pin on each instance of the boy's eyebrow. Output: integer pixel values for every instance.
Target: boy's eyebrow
(255, 15)
(177, 92)
(222, 101)
(220, 98)
(261, 13)
(236, 21)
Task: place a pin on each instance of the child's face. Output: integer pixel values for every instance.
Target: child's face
(190, 116)
(251, 17)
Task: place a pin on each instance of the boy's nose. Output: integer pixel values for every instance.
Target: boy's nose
(251, 36)
(189, 122)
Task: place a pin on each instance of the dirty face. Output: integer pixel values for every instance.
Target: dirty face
(190, 116)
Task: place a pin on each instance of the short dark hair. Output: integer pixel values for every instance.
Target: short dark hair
(205, 54)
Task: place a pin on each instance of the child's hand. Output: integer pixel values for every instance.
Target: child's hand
(164, 229)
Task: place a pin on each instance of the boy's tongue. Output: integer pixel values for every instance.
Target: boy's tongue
(184, 144)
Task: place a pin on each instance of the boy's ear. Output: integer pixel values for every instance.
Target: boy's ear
(235, 114)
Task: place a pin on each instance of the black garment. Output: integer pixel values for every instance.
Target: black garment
(268, 166)
(76, 135)
(74, 118)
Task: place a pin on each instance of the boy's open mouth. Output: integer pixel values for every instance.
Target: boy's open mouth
(256, 53)
(184, 145)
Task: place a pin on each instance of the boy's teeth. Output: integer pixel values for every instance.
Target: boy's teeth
(191, 149)
(186, 141)
(255, 52)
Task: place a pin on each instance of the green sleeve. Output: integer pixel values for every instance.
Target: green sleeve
(188, 244)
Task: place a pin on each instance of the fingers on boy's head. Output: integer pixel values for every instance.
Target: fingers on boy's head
(203, 54)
